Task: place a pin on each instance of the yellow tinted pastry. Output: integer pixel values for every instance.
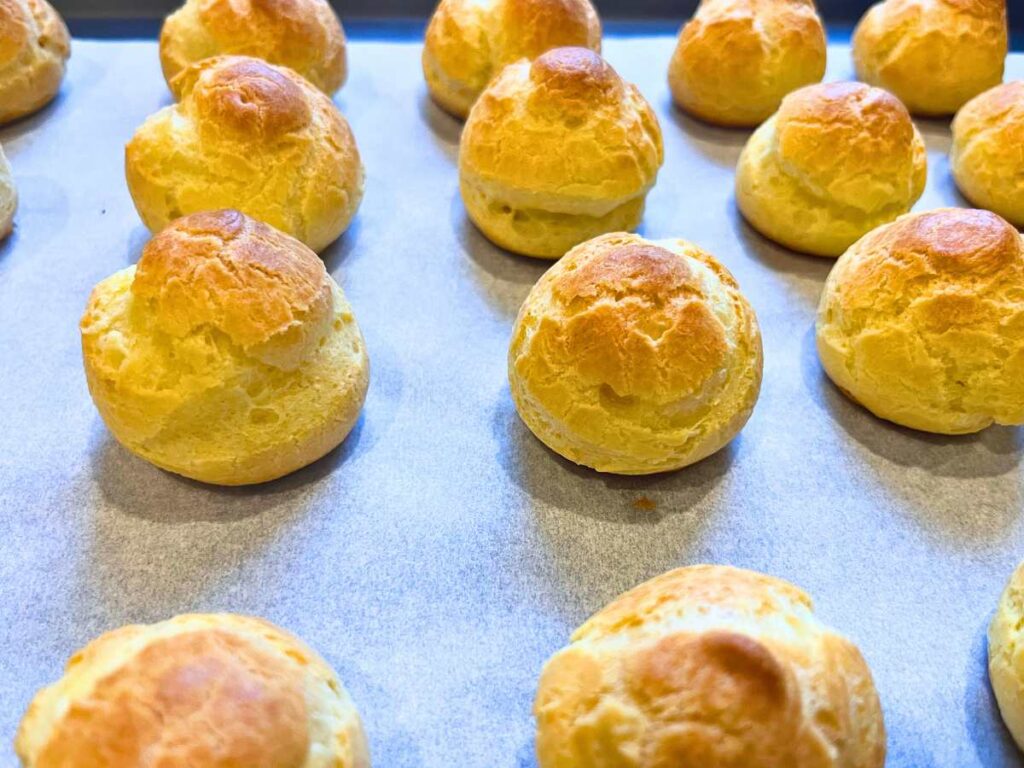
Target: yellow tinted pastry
(986, 156)
(635, 356)
(34, 48)
(736, 59)
(922, 323)
(303, 35)
(709, 666)
(8, 197)
(933, 55)
(251, 136)
(836, 161)
(203, 691)
(228, 354)
(556, 152)
(468, 42)
(1006, 655)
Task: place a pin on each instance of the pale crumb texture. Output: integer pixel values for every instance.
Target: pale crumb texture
(252, 136)
(203, 691)
(1006, 655)
(709, 666)
(558, 151)
(303, 35)
(987, 154)
(468, 42)
(934, 55)
(34, 48)
(836, 161)
(228, 355)
(8, 196)
(736, 59)
(634, 357)
(922, 322)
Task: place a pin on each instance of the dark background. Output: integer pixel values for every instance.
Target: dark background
(142, 17)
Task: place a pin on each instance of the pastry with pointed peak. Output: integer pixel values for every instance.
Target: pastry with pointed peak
(468, 42)
(709, 666)
(249, 135)
(557, 151)
(227, 355)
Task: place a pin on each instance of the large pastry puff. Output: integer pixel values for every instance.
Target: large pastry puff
(736, 59)
(251, 136)
(922, 322)
(468, 42)
(8, 197)
(1006, 655)
(709, 666)
(635, 356)
(556, 152)
(197, 691)
(836, 161)
(933, 54)
(228, 354)
(303, 35)
(986, 155)
(34, 48)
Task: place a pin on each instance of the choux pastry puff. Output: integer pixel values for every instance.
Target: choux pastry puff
(227, 355)
(469, 42)
(1006, 655)
(197, 691)
(8, 196)
(709, 666)
(34, 49)
(251, 136)
(635, 356)
(836, 161)
(557, 151)
(933, 55)
(986, 156)
(303, 35)
(922, 322)
(736, 59)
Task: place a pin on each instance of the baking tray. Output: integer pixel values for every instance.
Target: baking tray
(442, 553)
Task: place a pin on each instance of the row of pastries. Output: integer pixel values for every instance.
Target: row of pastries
(706, 665)
(228, 353)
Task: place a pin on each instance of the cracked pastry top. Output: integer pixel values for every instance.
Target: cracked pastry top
(34, 49)
(709, 666)
(557, 151)
(736, 59)
(303, 35)
(468, 42)
(836, 161)
(922, 322)
(634, 356)
(933, 55)
(248, 135)
(227, 355)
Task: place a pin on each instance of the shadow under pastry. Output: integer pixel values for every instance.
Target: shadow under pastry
(445, 129)
(596, 535)
(503, 278)
(716, 144)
